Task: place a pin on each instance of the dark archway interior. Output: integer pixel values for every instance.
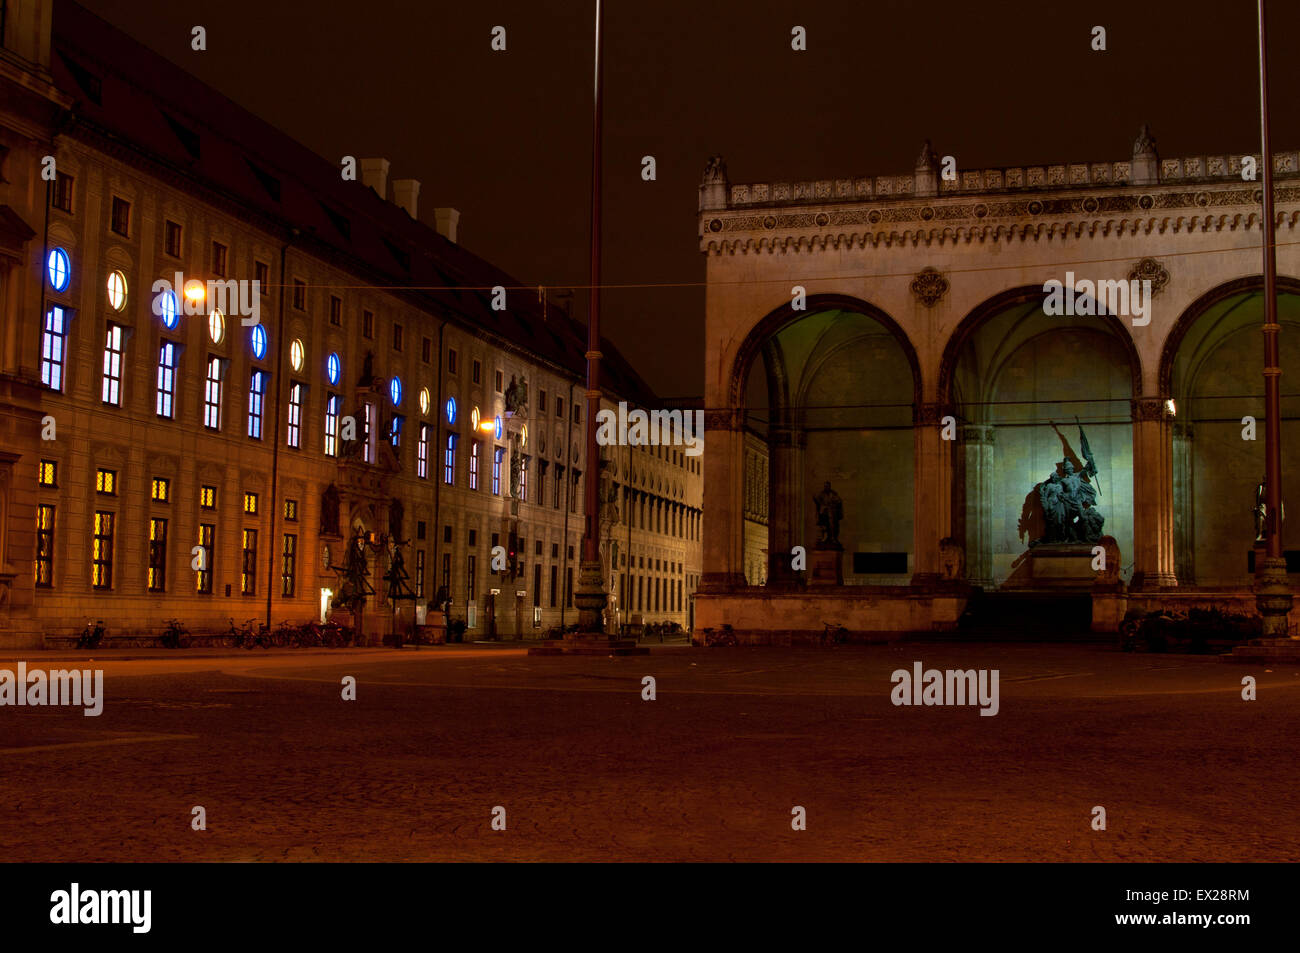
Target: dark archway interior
(830, 400)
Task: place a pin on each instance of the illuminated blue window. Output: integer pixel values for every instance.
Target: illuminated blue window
(333, 368)
(59, 268)
(451, 410)
(168, 309)
(259, 341)
(499, 428)
(395, 391)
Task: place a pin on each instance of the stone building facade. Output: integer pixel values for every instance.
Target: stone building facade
(173, 446)
(894, 336)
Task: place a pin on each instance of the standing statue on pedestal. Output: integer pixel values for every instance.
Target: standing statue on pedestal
(830, 510)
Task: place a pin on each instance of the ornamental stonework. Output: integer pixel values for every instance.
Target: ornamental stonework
(929, 287)
(1148, 269)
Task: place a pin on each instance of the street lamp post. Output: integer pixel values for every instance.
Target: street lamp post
(590, 595)
(1272, 594)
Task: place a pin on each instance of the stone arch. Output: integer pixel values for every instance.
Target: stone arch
(1194, 311)
(995, 305)
(775, 320)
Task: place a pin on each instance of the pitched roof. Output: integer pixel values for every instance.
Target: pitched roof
(131, 98)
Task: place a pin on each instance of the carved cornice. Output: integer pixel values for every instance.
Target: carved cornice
(936, 223)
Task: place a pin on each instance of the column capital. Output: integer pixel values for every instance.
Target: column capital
(931, 414)
(729, 418)
(977, 434)
(1150, 408)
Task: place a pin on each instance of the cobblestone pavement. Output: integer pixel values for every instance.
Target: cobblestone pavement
(710, 770)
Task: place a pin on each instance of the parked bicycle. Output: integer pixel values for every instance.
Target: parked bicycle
(726, 636)
(250, 635)
(176, 635)
(834, 634)
(92, 635)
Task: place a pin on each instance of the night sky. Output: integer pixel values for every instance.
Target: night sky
(505, 137)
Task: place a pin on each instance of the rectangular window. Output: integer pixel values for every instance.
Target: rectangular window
(497, 454)
(161, 490)
(48, 473)
(53, 339)
(250, 504)
(293, 432)
(426, 350)
(165, 401)
(208, 497)
(541, 482)
(219, 259)
(248, 576)
(207, 534)
(537, 585)
(121, 217)
(212, 395)
(419, 574)
(291, 511)
(575, 493)
(367, 321)
(44, 545)
(262, 271)
(397, 336)
(451, 361)
(157, 555)
(256, 394)
(288, 565)
(111, 388)
(470, 566)
(61, 194)
(500, 382)
(541, 402)
(422, 453)
(478, 372)
(367, 424)
(172, 239)
(523, 479)
(300, 300)
(449, 461)
(101, 568)
(577, 413)
(446, 573)
(473, 465)
(559, 406)
(332, 403)
(554, 580)
(106, 482)
(559, 487)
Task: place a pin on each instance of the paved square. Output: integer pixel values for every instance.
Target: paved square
(710, 770)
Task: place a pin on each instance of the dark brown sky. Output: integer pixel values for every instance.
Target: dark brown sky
(505, 137)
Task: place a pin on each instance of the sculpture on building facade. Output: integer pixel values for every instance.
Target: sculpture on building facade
(830, 510)
(516, 395)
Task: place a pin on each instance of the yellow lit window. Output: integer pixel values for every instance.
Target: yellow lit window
(106, 482)
(250, 503)
(161, 489)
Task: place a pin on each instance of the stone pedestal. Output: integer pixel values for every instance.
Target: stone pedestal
(1273, 596)
(1054, 566)
(826, 566)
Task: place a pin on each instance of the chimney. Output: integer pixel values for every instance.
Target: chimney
(406, 193)
(447, 220)
(374, 173)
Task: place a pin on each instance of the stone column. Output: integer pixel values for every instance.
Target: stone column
(977, 446)
(785, 521)
(724, 500)
(932, 491)
(1153, 503)
(1184, 505)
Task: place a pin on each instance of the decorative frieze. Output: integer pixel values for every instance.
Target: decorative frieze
(929, 286)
